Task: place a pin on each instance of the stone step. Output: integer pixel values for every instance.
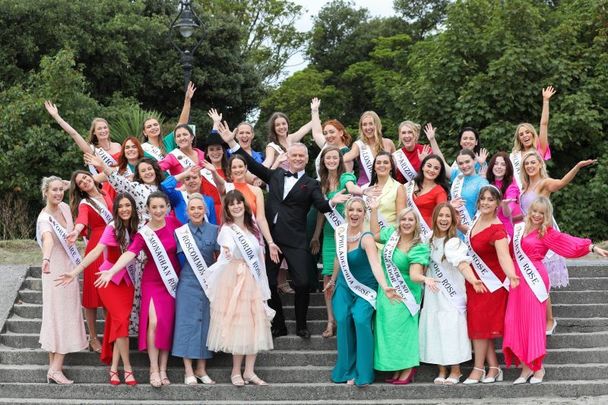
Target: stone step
(587, 283)
(561, 296)
(312, 392)
(312, 374)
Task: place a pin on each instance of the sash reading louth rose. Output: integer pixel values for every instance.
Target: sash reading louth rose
(101, 210)
(104, 156)
(404, 165)
(62, 234)
(424, 228)
(186, 162)
(355, 286)
(448, 287)
(516, 160)
(367, 159)
(193, 255)
(163, 264)
(484, 273)
(152, 150)
(527, 268)
(457, 186)
(396, 279)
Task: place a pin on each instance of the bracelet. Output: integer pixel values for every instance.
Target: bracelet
(46, 259)
(591, 247)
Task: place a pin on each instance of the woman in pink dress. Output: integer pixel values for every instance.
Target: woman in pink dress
(500, 174)
(525, 320)
(157, 311)
(185, 155)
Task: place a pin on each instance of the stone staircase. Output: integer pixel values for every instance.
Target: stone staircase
(299, 370)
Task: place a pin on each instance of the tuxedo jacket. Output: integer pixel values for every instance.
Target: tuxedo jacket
(287, 217)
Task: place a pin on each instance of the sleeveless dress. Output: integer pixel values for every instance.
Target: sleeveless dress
(395, 329)
(353, 314)
(427, 202)
(415, 161)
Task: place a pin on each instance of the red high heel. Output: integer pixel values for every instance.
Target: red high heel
(112, 380)
(130, 374)
(407, 380)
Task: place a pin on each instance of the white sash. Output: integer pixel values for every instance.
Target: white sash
(355, 286)
(484, 273)
(276, 147)
(381, 220)
(394, 275)
(367, 159)
(404, 165)
(62, 234)
(447, 286)
(527, 268)
(131, 266)
(152, 150)
(186, 162)
(193, 255)
(104, 156)
(334, 218)
(424, 228)
(229, 186)
(159, 254)
(516, 160)
(101, 210)
(456, 191)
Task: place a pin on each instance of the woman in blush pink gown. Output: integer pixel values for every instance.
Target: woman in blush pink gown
(525, 321)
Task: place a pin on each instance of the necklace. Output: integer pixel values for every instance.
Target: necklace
(353, 238)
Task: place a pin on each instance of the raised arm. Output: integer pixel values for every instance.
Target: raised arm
(553, 185)
(352, 154)
(374, 225)
(54, 112)
(215, 117)
(429, 131)
(543, 135)
(184, 117)
(317, 129)
(299, 134)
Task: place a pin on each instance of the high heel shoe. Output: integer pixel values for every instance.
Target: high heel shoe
(522, 379)
(112, 375)
(452, 380)
(155, 380)
(330, 330)
(94, 348)
(255, 380)
(164, 380)
(57, 377)
(132, 381)
(285, 288)
(407, 380)
(552, 330)
(469, 380)
(536, 380)
(497, 377)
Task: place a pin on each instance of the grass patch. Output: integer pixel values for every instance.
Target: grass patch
(24, 251)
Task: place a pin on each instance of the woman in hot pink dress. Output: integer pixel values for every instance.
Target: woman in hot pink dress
(500, 174)
(525, 320)
(157, 312)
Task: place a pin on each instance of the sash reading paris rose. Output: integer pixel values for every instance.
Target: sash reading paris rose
(528, 270)
(456, 190)
(484, 273)
(62, 235)
(163, 264)
(355, 286)
(367, 159)
(100, 209)
(186, 162)
(193, 255)
(424, 228)
(404, 165)
(394, 275)
(104, 156)
(447, 286)
(516, 160)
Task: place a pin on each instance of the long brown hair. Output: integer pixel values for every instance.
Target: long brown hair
(451, 233)
(77, 195)
(122, 228)
(122, 160)
(324, 173)
(161, 144)
(272, 134)
(229, 198)
(507, 178)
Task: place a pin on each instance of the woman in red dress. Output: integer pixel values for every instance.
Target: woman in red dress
(429, 188)
(492, 263)
(94, 210)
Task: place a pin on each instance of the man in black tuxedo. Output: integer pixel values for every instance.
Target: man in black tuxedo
(291, 193)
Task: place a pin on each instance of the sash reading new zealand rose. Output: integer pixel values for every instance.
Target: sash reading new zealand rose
(516, 160)
(484, 273)
(396, 279)
(253, 262)
(186, 162)
(367, 159)
(62, 234)
(447, 286)
(152, 150)
(355, 286)
(193, 255)
(104, 156)
(465, 218)
(404, 165)
(527, 268)
(100, 209)
(163, 264)
(424, 228)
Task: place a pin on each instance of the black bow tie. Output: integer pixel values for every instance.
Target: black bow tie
(290, 174)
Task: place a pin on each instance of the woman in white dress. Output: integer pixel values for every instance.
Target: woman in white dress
(444, 338)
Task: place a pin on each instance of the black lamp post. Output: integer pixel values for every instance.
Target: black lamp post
(186, 22)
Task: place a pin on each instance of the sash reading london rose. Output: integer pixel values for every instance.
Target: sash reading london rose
(404, 165)
(424, 228)
(527, 268)
(186, 162)
(62, 234)
(152, 150)
(367, 159)
(193, 255)
(465, 218)
(447, 286)
(101, 210)
(516, 160)
(484, 273)
(163, 264)
(104, 156)
(355, 286)
(394, 275)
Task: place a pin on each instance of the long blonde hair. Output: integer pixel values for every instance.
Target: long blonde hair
(517, 146)
(92, 135)
(377, 146)
(525, 177)
(541, 204)
(416, 239)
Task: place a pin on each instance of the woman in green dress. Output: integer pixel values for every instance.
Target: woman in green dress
(404, 257)
(357, 274)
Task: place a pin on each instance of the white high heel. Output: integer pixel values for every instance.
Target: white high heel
(469, 381)
(535, 380)
(523, 379)
(497, 377)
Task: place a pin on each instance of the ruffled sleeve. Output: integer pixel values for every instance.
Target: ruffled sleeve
(385, 233)
(566, 245)
(419, 254)
(168, 163)
(456, 252)
(513, 193)
(546, 154)
(108, 238)
(345, 178)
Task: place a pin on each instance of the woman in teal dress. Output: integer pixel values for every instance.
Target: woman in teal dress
(403, 257)
(354, 300)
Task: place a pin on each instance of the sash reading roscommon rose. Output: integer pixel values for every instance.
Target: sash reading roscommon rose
(163, 264)
(395, 278)
(516, 160)
(485, 274)
(367, 159)
(404, 165)
(448, 287)
(104, 156)
(527, 268)
(355, 286)
(62, 234)
(424, 228)
(101, 210)
(193, 255)
(152, 150)
(456, 190)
